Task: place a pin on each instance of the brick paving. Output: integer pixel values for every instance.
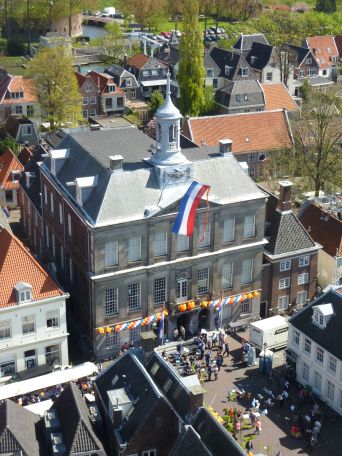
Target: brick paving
(275, 435)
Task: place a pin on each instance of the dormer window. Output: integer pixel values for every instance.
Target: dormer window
(111, 88)
(16, 175)
(17, 94)
(322, 314)
(244, 71)
(227, 69)
(57, 159)
(210, 73)
(128, 82)
(24, 292)
(328, 49)
(84, 185)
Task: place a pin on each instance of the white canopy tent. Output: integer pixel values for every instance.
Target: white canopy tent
(46, 381)
(39, 407)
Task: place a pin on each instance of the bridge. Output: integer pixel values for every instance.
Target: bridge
(99, 20)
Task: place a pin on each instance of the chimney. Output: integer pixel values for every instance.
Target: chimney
(196, 398)
(148, 343)
(29, 176)
(115, 163)
(284, 202)
(225, 147)
(125, 60)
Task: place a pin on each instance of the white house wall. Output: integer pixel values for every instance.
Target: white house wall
(321, 368)
(13, 348)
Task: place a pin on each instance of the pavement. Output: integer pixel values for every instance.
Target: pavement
(275, 436)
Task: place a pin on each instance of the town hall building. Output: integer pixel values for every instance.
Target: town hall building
(109, 201)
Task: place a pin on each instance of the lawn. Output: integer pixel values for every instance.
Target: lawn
(13, 65)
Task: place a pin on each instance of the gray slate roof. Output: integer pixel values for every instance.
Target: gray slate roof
(262, 54)
(34, 190)
(233, 94)
(214, 436)
(286, 234)
(330, 338)
(138, 188)
(235, 60)
(74, 421)
(189, 443)
(18, 430)
(120, 75)
(245, 42)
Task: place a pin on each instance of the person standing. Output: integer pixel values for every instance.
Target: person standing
(208, 358)
(182, 332)
(226, 348)
(257, 426)
(249, 446)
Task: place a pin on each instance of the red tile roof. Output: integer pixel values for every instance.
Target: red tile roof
(250, 132)
(338, 41)
(80, 78)
(12, 254)
(278, 97)
(138, 60)
(324, 228)
(20, 84)
(102, 80)
(319, 46)
(9, 163)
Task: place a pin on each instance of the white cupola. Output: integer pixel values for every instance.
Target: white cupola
(168, 119)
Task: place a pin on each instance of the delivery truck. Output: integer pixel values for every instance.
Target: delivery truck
(272, 331)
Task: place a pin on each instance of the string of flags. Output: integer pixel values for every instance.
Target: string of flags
(190, 305)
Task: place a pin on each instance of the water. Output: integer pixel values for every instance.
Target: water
(93, 31)
(92, 66)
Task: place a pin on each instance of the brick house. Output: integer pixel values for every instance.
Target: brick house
(108, 213)
(100, 95)
(17, 96)
(252, 136)
(30, 202)
(325, 227)
(325, 53)
(290, 257)
(10, 172)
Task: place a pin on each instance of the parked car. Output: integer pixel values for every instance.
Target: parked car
(166, 34)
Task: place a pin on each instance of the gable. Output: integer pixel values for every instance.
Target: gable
(8, 443)
(83, 440)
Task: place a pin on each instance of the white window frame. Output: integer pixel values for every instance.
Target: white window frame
(182, 290)
(319, 355)
(245, 307)
(5, 329)
(60, 213)
(249, 227)
(284, 283)
(229, 230)
(307, 346)
(134, 296)
(247, 275)
(302, 297)
(303, 278)
(45, 194)
(206, 239)
(285, 265)
(152, 452)
(202, 281)
(332, 364)
(111, 301)
(317, 381)
(227, 275)
(296, 337)
(89, 88)
(84, 101)
(269, 76)
(304, 261)
(182, 243)
(69, 225)
(159, 290)
(330, 390)
(134, 249)
(28, 324)
(52, 315)
(306, 372)
(93, 100)
(111, 253)
(112, 340)
(283, 302)
(160, 243)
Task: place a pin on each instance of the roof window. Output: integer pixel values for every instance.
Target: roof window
(23, 292)
(322, 314)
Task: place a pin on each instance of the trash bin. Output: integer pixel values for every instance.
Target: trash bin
(265, 361)
(251, 357)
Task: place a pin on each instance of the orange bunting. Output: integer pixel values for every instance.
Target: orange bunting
(190, 305)
(182, 307)
(256, 293)
(250, 296)
(108, 329)
(100, 331)
(204, 304)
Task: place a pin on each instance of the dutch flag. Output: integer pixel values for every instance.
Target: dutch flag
(185, 220)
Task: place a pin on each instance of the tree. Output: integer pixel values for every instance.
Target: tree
(144, 11)
(209, 105)
(318, 136)
(57, 87)
(285, 61)
(326, 6)
(75, 6)
(191, 67)
(156, 100)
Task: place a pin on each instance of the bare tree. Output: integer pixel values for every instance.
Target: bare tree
(285, 60)
(318, 138)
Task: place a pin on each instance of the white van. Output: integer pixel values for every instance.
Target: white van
(108, 12)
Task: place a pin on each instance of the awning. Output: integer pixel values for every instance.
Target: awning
(34, 372)
(157, 82)
(46, 381)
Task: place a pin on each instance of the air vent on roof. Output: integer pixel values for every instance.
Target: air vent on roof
(203, 142)
(115, 162)
(225, 146)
